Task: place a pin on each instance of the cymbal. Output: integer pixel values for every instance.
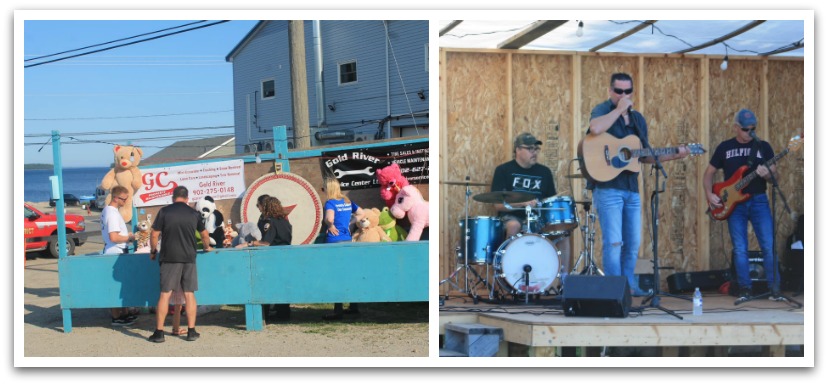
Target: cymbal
(503, 196)
(574, 176)
(463, 183)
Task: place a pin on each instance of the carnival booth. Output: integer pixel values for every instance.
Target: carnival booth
(225, 192)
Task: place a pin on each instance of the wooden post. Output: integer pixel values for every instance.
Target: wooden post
(299, 83)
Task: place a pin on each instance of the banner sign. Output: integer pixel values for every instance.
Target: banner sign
(357, 169)
(219, 180)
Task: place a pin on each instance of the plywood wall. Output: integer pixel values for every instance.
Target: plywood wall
(489, 96)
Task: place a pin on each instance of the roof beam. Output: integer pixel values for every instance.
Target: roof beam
(450, 26)
(793, 46)
(737, 32)
(624, 35)
(532, 32)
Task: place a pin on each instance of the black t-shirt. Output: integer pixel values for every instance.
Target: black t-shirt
(178, 224)
(536, 180)
(730, 155)
(277, 231)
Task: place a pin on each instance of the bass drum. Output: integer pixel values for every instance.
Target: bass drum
(527, 251)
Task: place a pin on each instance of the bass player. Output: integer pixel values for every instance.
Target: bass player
(745, 149)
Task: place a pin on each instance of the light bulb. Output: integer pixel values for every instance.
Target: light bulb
(258, 158)
(580, 31)
(724, 64)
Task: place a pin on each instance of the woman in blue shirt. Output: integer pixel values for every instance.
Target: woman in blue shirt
(338, 212)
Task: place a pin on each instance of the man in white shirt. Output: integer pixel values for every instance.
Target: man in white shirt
(115, 236)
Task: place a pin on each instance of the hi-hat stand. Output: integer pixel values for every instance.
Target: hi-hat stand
(587, 254)
(469, 273)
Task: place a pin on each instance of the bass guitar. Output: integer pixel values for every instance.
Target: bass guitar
(730, 191)
(607, 156)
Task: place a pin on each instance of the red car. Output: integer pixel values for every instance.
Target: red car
(40, 231)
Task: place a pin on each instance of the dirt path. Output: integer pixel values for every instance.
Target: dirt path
(382, 330)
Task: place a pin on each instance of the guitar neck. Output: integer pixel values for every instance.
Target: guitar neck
(747, 179)
(643, 152)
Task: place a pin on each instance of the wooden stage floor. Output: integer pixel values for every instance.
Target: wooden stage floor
(758, 327)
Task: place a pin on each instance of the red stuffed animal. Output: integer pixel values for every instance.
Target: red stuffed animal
(391, 181)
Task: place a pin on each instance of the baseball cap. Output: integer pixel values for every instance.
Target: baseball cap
(746, 118)
(526, 139)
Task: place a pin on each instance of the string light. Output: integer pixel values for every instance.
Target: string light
(724, 62)
(580, 31)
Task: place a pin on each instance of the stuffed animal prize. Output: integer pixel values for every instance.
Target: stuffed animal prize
(125, 173)
(388, 223)
(391, 181)
(411, 202)
(368, 229)
(213, 220)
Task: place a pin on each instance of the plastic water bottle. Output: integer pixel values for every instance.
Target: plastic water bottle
(697, 302)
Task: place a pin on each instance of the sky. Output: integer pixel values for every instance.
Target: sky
(122, 95)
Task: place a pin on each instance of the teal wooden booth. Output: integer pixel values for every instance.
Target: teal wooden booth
(320, 273)
(316, 273)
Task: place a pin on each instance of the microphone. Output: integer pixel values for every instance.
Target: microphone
(752, 134)
(629, 109)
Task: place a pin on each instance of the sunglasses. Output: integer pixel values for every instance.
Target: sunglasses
(747, 129)
(620, 91)
(530, 148)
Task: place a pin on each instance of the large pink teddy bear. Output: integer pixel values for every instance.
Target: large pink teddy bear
(391, 181)
(411, 202)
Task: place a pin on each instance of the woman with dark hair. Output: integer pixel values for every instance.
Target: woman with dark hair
(276, 231)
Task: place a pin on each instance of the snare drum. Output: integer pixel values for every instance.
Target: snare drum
(485, 234)
(559, 214)
(527, 251)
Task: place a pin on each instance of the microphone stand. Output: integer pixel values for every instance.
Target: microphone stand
(774, 260)
(653, 298)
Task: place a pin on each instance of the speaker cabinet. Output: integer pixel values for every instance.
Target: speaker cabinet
(756, 269)
(596, 296)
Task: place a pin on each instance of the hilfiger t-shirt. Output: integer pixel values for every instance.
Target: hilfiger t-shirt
(730, 155)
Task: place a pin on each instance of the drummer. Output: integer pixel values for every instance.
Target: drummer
(524, 174)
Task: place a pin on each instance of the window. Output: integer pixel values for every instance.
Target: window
(268, 88)
(347, 72)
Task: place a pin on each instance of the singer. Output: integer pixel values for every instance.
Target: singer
(617, 201)
(745, 148)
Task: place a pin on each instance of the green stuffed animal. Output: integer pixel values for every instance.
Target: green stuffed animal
(388, 223)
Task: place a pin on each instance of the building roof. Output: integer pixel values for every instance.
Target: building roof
(244, 41)
(194, 149)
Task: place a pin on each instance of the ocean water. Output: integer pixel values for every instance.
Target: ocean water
(78, 181)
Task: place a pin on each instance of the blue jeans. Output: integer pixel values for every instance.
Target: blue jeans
(619, 214)
(757, 211)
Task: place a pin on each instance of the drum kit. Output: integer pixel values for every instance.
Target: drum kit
(528, 263)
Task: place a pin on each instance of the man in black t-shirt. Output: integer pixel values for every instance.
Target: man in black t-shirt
(524, 174)
(178, 223)
(743, 149)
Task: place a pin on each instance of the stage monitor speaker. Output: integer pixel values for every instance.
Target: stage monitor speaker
(596, 296)
(756, 269)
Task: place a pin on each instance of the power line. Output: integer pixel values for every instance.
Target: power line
(127, 117)
(124, 45)
(128, 132)
(114, 41)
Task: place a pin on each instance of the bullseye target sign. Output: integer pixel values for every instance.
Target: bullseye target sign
(299, 199)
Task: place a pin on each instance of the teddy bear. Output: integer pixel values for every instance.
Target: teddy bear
(125, 173)
(368, 229)
(213, 220)
(248, 232)
(391, 181)
(410, 201)
(388, 223)
(142, 236)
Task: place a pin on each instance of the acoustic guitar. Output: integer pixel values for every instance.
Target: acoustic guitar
(603, 157)
(730, 191)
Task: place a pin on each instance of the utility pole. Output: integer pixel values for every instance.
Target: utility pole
(299, 83)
